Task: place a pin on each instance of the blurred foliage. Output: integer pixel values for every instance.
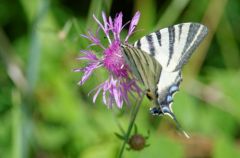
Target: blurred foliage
(43, 113)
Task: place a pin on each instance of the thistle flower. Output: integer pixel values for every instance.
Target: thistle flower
(120, 82)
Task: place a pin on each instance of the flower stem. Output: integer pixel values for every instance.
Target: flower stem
(131, 123)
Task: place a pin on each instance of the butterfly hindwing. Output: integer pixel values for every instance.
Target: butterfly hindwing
(173, 46)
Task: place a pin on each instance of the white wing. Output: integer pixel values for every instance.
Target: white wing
(173, 46)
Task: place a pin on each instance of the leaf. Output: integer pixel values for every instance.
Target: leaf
(120, 136)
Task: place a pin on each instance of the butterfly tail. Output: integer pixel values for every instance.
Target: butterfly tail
(179, 127)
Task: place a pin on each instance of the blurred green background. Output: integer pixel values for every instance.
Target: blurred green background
(44, 114)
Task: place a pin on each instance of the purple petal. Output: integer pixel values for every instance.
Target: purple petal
(114, 93)
(88, 56)
(118, 25)
(135, 20)
(105, 22)
(85, 77)
(133, 24)
(85, 36)
(110, 23)
(105, 89)
(110, 102)
(124, 93)
(104, 97)
(78, 70)
(100, 24)
(93, 44)
(96, 94)
(118, 22)
(88, 71)
(117, 98)
(92, 38)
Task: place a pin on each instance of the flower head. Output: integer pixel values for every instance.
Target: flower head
(120, 81)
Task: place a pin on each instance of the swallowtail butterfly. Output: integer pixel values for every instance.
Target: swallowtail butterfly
(157, 60)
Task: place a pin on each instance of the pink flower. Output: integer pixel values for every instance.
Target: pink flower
(120, 82)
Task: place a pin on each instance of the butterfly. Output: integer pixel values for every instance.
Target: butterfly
(157, 60)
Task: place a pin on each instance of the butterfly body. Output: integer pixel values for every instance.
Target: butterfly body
(157, 60)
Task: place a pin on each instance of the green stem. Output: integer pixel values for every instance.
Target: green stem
(131, 123)
(17, 125)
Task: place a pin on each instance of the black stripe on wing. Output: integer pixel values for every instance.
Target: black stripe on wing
(158, 35)
(196, 34)
(171, 34)
(149, 39)
(144, 67)
(192, 31)
(180, 31)
(141, 67)
(139, 44)
(132, 63)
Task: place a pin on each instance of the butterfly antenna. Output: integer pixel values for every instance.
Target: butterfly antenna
(179, 127)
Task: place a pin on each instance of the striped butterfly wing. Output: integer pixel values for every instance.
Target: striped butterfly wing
(173, 46)
(144, 67)
(148, 71)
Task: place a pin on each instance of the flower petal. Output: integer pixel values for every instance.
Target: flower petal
(105, 22)
(110, 101)
(117, 97)
(88, 56)
(92, 38)
(110, 23)
(118, 25)
(105, 89)
(101, 25)
(133, 24)
(96, 94)
(124, 92)
(88, 71)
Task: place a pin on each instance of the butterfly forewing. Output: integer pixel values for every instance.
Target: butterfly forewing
(143, 66)
(173, 46)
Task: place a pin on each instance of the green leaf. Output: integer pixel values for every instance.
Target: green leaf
(122, 137)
